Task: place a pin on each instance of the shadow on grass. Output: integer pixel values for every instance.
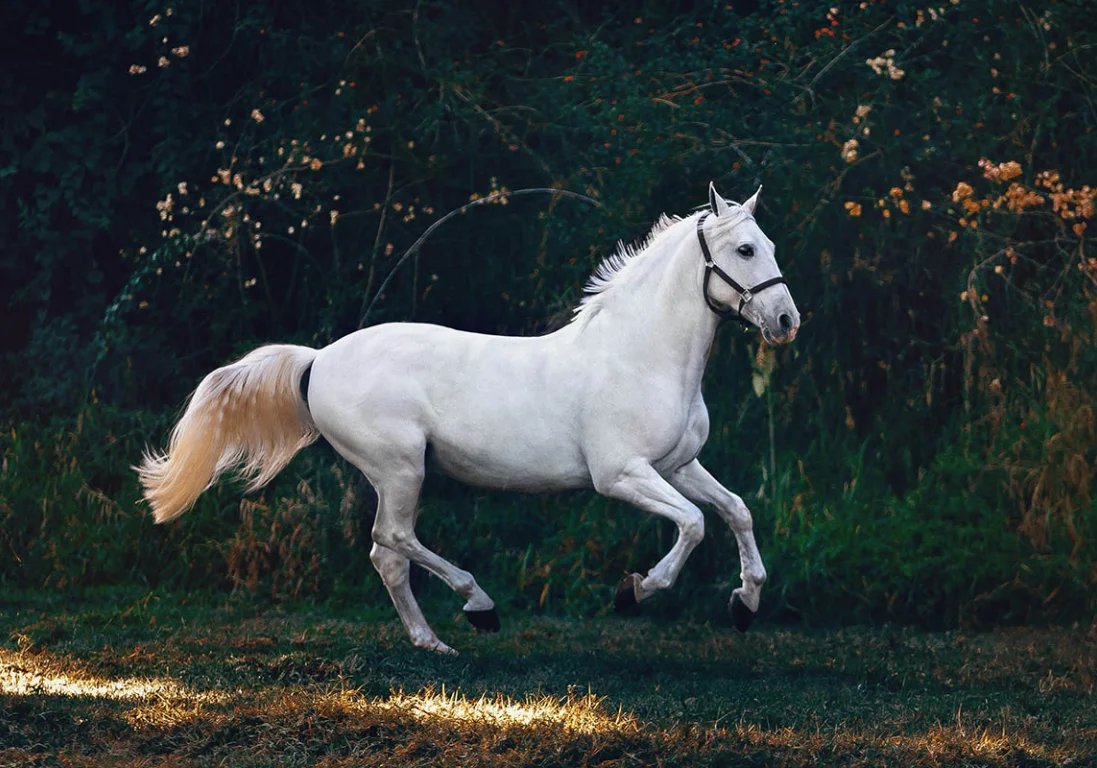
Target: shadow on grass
(305, 688)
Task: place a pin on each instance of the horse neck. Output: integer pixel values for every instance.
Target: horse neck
(660, 318)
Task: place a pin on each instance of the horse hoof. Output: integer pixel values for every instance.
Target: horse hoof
(741, 616)
(624, 601)
(484, 621)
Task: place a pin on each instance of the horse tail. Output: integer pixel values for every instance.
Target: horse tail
(250, 416)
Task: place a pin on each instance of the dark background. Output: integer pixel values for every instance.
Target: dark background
(922, 453)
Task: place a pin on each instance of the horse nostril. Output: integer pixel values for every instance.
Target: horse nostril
(785, 321)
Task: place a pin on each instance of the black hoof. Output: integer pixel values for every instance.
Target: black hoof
(624, 601)
(484, 621)
(741, 616)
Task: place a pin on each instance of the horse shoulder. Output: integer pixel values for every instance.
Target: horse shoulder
(698, 423)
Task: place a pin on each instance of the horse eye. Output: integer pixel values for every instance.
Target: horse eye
(746, 251)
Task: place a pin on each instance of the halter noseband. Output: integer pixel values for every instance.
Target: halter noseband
(745, 294)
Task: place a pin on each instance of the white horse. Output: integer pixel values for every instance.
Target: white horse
(610, 401)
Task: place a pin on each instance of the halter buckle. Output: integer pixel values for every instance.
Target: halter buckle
(747, 295)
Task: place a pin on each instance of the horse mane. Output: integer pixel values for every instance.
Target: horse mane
(606, 274)
(611, 266)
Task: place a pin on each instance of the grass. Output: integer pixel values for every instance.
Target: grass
(121, 679)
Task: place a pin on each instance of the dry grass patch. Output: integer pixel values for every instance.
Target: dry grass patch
(203, 686)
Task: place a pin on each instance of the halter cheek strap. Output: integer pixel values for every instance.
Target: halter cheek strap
(746, 295)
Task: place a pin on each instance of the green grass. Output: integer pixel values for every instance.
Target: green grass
(124, 679)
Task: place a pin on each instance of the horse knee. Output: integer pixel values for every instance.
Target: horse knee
(693, 527)
(738, 515)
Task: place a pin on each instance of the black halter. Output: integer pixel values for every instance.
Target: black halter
(745, 294)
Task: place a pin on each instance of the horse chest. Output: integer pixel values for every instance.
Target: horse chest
(689, 440)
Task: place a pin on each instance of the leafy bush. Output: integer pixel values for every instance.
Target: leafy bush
(923, 452)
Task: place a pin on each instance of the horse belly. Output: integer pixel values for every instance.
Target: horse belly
(508, 457)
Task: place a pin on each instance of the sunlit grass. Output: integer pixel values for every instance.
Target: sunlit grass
(937, 745)
(308, 689)
(580, 714)
(27, 675)
(159, 702)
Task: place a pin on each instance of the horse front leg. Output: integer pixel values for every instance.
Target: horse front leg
(695, 483)
(640, 485)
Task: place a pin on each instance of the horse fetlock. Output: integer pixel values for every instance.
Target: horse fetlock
(437, 646)
(654, 582)
(465, 585)
(423, 637)
(751, 598)
(754, 579)
(479, 601)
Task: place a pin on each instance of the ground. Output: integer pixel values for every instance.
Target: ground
(161, 680)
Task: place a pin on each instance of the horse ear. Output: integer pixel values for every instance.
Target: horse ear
(718, 204)
(752, 203)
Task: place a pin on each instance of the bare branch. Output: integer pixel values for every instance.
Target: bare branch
(480, 201)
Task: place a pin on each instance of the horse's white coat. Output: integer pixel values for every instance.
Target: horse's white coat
(611, 401)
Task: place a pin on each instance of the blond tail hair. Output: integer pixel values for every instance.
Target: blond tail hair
(248, 416)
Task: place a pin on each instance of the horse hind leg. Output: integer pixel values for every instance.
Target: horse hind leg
(394, 530)
(394, 570)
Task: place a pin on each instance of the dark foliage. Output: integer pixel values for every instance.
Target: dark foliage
(178, 185)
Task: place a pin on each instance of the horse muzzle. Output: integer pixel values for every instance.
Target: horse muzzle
(782, 326)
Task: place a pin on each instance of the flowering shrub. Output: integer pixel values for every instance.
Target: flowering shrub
(272, 168)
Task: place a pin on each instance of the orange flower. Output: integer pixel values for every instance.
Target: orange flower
(963, 190)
